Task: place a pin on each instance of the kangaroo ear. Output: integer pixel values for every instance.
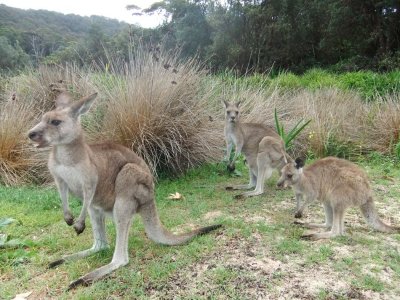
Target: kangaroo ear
(237, 104)
(63, 98)
(299, 163)
(83, 105)
(226, 103)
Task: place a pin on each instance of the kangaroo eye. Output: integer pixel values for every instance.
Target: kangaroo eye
(55, 122)
(289, 176)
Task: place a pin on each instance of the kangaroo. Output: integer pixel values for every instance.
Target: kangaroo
(111, 179)
(262, 147)
(338, 184)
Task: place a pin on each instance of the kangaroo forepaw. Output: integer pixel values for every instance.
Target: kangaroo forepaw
(79, 227)
(56, 263)
(78, 282)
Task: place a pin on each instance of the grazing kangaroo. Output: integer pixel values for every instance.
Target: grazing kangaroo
(338, 184)
(262, 147)
(111, 179)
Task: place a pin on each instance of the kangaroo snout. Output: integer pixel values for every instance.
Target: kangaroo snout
(35, 135)
(38, 137)
(280, 184)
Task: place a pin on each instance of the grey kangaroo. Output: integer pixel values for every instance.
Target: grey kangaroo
(262, 147)
(338, 184)
(111, 179)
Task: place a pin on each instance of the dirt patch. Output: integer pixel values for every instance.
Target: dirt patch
(213, 215)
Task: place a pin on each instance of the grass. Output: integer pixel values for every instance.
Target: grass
(173, 117)
(258, 253)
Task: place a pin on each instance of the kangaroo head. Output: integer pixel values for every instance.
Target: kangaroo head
(61, 125)
(291, 173)
(232, 112)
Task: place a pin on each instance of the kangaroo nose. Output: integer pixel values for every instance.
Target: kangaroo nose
(33, 135)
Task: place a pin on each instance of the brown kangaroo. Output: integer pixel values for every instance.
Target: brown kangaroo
(262, 147)
(111, 179)
(338, 184)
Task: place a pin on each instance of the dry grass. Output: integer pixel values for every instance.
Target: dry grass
(170, 113)
(382, 124)
(18, 162)
(158, 107)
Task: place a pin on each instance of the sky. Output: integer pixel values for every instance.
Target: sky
(115, 9)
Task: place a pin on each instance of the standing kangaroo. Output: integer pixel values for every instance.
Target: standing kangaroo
(262, 147)
(111, 179)
(338, 184)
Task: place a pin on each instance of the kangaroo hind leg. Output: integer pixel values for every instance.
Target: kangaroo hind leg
(337, 226)
(127, 188)
(122, 214)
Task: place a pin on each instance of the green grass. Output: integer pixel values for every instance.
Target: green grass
(369, 84)
(258, 253)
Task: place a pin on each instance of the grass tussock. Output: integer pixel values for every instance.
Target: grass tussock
(159, 107)
(18, 162)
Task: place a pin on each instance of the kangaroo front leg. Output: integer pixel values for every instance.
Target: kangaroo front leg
(122, 214)
(328, 219)
(229, 147)
(300, 205)
(63, 191)
(99, 235)
(88, 194)
(238, 150)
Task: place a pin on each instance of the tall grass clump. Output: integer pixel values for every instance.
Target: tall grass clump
(18, 163)
(336, 125)
(382, 124)
(159, 107)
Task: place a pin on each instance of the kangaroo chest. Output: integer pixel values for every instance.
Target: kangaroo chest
(72, 176)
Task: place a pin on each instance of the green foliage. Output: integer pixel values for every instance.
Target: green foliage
(11, 56)
(6, 221)
(291, 135)
(5, 241)
(369, 85)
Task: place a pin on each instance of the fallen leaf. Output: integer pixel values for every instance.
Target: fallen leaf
(22, 296)
(176, 196)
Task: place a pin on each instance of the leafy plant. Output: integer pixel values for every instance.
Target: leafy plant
(291, 135)
(4, 241)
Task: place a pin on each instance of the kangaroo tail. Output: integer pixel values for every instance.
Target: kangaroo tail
(369, 211)
(156, 231)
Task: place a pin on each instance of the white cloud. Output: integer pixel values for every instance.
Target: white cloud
(115, 9)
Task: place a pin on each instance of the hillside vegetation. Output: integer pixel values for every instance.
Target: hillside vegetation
(244, 36)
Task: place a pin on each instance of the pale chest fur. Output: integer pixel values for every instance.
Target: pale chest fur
(77, 177)
(233, 134)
